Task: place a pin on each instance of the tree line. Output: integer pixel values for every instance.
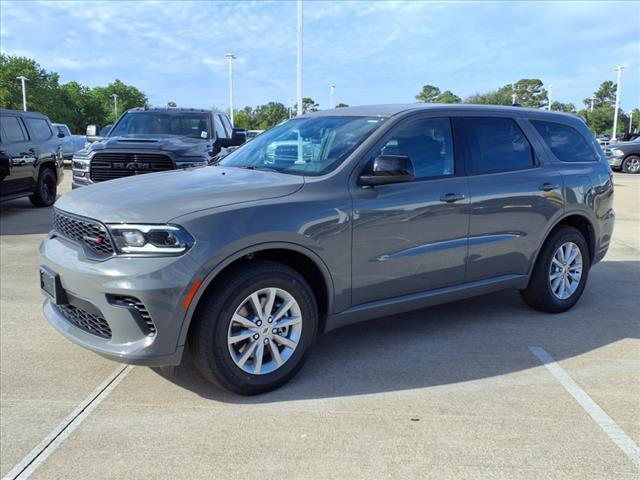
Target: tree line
(72, 103)
(597, 110)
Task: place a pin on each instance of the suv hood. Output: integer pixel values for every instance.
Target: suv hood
(160, 197)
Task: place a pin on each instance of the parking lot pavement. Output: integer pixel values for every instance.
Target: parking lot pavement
(448, 392)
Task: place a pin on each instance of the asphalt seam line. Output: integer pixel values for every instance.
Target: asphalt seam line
(604, 421)
(39, 454)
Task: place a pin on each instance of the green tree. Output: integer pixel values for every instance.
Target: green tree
(529, 92)
(128, 97)
(605, 95)
(244, 118)
(266, 116)
(342, 105)
(448, 97)
(501, 96)
(428, 94)
(563, 107)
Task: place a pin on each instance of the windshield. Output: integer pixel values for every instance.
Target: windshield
(188, 124)
(305, 146)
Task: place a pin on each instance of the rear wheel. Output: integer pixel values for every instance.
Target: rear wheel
(254, 331)
(561, 271)
(46, 188)
(631, 164)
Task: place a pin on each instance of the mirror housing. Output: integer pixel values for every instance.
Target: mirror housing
(60, 133)
(389, 169)
(238, 137)
(92, 130)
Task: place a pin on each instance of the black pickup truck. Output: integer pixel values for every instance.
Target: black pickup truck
(147, 140)
(30, 157)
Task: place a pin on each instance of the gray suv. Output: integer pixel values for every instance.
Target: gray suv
(367, 212)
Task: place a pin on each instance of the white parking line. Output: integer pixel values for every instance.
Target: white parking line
(39, 454)
(606, 423)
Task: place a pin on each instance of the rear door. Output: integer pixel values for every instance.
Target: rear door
(411, 237)
(514, 194)
(18, 156)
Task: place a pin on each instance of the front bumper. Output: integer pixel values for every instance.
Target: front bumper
(160, 283)
(614, 162)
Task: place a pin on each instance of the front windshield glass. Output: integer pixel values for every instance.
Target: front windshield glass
(304, 146)
(150, 124)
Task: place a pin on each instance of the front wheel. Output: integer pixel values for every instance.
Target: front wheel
(560, 273)
(631, 164)
(253, 332)
(46, 189)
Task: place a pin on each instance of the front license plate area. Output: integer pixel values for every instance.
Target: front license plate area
(51, 286)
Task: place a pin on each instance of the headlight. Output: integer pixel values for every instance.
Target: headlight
(617, 152)
(150, 239)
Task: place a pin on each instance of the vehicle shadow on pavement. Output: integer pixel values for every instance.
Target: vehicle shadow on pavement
(19, 217)
(474, 339)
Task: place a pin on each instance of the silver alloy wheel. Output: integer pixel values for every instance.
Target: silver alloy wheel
(565, 271)
(633, 165)
(264, 331)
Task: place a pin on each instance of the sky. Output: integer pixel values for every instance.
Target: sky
(374, 52)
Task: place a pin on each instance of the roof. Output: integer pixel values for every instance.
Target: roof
(22, 112)
(395, 109)
(168, 109)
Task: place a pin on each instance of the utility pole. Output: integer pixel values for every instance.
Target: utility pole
(115, 105)
(231, 57)
(513, 99)
(615, 111)
(332, 89)
(549, 96)
(299, 59)
(22, 78)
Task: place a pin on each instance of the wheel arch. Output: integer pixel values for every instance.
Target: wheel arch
(300, 258)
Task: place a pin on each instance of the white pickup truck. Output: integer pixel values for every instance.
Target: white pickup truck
(70, 143)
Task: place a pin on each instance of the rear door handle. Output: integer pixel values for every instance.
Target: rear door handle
(547, 187)
(451, 197)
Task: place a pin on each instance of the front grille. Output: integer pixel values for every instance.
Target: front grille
(89, 232)
(133, 302)
(110, 165)
(86, 321)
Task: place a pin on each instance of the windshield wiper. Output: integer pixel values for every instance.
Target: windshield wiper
(253, 167)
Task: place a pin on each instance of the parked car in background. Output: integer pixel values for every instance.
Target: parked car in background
(603, 140)
(251, 134)
(30, 157)
(70, 143)
(390, 209)
(624, 156)
(147, 140)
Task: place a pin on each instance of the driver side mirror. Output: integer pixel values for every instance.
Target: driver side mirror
(389, 169)
(238, 137)
(60, 133)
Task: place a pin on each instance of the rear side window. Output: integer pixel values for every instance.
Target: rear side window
(497, 145)
(39, 127)
(427, 142)
(566, 143)
(13, 131)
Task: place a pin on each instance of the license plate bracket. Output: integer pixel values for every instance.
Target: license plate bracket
(51, 286)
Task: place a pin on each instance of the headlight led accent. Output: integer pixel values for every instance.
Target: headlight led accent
(150, 239)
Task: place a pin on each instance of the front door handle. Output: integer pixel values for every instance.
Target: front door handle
(547, 187)
(451, 197)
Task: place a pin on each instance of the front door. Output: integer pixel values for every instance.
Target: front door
(19, 154)
(411, 237)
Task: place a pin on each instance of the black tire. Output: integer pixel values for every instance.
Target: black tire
(631, 164)
(538, 293)
(208, 334)
(46, 188)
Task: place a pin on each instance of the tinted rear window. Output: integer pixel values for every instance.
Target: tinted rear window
(39, 127)
(12, 130)
(496, 145)
(565, 142)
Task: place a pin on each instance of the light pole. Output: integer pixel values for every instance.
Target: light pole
(115, 105)
(290, 106)
(299, 59)
(332, 89)
(23, 79)
(549, 96)
(630, 121)
(513, 99)
(231, 57)
(615, 111)
(592, 99)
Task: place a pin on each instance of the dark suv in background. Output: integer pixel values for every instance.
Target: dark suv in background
(30, 157)
(325, 220)
(146, 140)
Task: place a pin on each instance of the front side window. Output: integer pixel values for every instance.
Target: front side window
(194, 125)
(304, 146)
(427, 142)
(496, 145)
(220, 132)
(12, 129)
(39, 127)
(566, 143)
(227, 124)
